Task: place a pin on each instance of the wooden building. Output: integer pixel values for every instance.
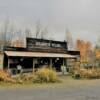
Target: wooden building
(37, 54)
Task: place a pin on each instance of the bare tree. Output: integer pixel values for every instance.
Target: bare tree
(10, 33)
(41, 32)
(69, 39)
(38, 29)
(98, 43)
(19, 39)
(44, 33)
(6, 34)
(5, 31)
(27, 32)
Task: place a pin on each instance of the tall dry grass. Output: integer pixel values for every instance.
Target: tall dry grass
(87, 73)
(46, 75)
(5, 77)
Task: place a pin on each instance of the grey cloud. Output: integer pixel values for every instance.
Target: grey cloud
(80, 16)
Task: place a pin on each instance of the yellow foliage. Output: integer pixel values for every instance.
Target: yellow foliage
(46, 75)
(5, 77)
(90, 73)
(97, 54)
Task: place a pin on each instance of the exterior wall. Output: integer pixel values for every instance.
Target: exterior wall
(71, 64)
(42, 45)
(1, 60)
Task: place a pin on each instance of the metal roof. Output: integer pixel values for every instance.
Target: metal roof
(37, 54)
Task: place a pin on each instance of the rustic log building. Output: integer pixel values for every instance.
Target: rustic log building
(38, 53)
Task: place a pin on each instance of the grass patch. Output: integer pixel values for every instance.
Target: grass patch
(66, 82)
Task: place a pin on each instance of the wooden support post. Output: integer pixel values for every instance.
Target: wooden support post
(33, 64)
(50, 63)
(8, 65)
(67, 69)
(63, 67)
(63, 62)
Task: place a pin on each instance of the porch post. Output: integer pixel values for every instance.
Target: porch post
(63, 67)
(67, 68)
(33, 65)
(63, 62)
(34, 62)
(8, 65)
(50, 63)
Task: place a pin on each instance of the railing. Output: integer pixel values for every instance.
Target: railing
(15, 71)
(27, 70)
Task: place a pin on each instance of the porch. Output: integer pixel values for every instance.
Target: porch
(23, 62)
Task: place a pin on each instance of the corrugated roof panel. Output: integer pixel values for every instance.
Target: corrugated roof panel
(37, 54)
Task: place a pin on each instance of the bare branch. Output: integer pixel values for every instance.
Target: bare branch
(69, 39)
(38, 29)
(44, 33)
(28, 32)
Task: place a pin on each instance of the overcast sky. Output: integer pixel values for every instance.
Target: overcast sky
(81, 17)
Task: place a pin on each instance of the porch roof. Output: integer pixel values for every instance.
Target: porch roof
(37, 54)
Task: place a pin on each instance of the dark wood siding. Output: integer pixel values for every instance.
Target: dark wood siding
(42, 45)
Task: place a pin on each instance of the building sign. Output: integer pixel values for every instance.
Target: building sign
(31, 42)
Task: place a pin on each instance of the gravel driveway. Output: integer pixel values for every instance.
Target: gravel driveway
(79, 91)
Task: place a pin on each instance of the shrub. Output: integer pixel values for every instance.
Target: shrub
(27, 77)
(45, 75)
(87, 73)
(5, 77)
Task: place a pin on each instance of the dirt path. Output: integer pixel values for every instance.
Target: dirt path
(77, 90)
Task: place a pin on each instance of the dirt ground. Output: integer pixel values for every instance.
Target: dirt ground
(70, 89)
